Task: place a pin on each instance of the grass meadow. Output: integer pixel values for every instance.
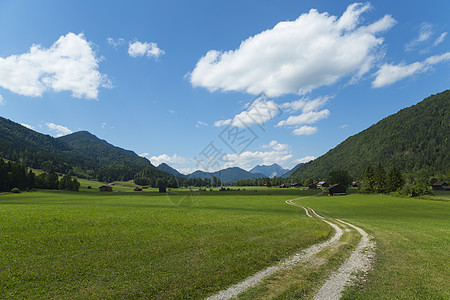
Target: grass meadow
(413, 239)
(142, 244)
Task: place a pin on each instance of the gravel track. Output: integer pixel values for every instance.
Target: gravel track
(359, 261)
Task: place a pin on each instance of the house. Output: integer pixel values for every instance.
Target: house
(355, 184)
(296, 184)
(283, 186)
(337, 189)
(105, 188)
(322, 184)
(162, 189)
(312, 186)
(440, 186)
(138, 189)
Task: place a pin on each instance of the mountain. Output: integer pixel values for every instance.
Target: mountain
(80, 153)
(417, 137)
(269, 171)
(291, 171)
(87, 144)
(227, 175)
(166, 168)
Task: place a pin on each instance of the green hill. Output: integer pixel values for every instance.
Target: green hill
(417, 137)
(80, 153)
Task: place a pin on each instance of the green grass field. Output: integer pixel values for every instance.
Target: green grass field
(192, 244)
(149, 245)
(413, 239)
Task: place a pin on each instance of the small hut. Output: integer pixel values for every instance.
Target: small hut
(337, 189)
(440, 186)
(105, 188)
(162, 189)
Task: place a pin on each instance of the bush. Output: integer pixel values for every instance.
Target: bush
(415, 190)
(15, 190)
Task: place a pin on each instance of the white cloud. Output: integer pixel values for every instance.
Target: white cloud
(305, 118)
(296, 56)
(390, 73)
(200, 123)
(305, 104)
(144, 49)
(27, 126)
(115, 42)
(259, 112)
(343, 126)
(144, 154)
(440, 39)
(171, 111)
(305, 130)
(2, 100)
(305, 159)
(69, 64)
(58, 129)
(223, 122)
(425, 32)
(175, 161)
(277, 153)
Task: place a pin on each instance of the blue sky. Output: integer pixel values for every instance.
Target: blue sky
(212, 84)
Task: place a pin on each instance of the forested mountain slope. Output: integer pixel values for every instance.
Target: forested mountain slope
(417, 137)
(80, 153)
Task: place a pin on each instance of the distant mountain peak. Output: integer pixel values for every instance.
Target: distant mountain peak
(269, 170)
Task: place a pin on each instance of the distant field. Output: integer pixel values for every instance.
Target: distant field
(413, 237)
(150, 245)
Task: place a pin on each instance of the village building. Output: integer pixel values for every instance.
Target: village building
(312, 186)
(322, 184)
(440, 186)
(337, 189)
(105, 188)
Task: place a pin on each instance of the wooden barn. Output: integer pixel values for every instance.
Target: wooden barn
(312, 186)
(440, 186)
(105, 188)
(337, 189)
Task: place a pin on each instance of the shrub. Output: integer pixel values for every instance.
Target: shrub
(15, 190)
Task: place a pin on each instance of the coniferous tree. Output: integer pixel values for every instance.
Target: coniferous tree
(368, 185)
(395, 180)
(380, 179)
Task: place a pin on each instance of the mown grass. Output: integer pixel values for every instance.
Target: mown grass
(144, 245)
(413, 239)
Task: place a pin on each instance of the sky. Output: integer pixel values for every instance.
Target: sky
(214, 84)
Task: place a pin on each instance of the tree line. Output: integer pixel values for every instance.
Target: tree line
(16, 177)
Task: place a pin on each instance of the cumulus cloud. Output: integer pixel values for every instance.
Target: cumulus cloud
(137, 48)
(310, 117)
(175, 161)
(390, 73)
(316, 49)
(276, 153)
(2, 100)
(305, 130)
(257, 112)
(58, 129)
(27, 126)
(69, 64)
